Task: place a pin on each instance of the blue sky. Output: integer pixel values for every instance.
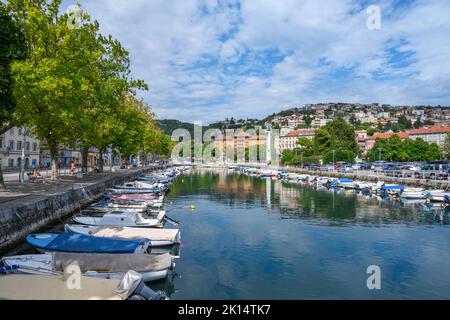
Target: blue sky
(207, 60)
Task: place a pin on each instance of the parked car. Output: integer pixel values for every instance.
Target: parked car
(410, 167)
(356, 166)
(362, 166)
(365, 166)
(391, 167)
(435, 170)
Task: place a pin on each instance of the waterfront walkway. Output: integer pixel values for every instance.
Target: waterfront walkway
(19, 194)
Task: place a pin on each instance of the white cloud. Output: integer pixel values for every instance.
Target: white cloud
(205, 60)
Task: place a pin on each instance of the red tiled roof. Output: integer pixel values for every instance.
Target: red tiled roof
(300, 131)
(434, 129)
(387, 135)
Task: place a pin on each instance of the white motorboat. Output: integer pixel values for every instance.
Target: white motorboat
(436, 195)
(157, 237)
(110, 206)
(359, 185)
(122, 219)
(413, 193)
(107, 266)
(139, 185)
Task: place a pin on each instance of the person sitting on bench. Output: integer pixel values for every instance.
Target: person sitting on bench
(36, 175)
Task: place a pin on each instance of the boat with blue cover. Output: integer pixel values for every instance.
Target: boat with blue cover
(341, 183)
(75, 242)
(392, 189)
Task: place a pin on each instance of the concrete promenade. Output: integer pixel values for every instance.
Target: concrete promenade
(18, 193)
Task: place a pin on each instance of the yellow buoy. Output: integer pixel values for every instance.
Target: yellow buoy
(193, 207)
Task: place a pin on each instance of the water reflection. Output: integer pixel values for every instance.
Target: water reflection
(252, 238)
(316, 205)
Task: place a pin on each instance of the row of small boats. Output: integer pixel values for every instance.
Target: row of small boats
(120, 238)
(379, 188)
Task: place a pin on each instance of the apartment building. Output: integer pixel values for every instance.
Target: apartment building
(289, 141)
(241, 141)
(435, 134)
(15, 141)
(368, 143)
(320, 122)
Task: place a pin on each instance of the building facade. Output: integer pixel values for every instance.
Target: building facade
(239, 142)
(65, 156)
(289, 141)
(434, 134)
(13, 144)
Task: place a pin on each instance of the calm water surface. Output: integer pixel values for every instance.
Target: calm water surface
(252, 238)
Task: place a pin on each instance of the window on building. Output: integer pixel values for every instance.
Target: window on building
(34, 146)
(1, 143)
(11, 144)
(19, 145)
(20, 131)
(27, 147)
(10, 162)
(11, 130)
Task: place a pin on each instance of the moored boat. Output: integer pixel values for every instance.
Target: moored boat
(413, 193)
(107, 266)
(74, 242)
(157, 237)
(436, 195)
(122, 219)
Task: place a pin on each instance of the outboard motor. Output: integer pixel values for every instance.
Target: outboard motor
(132, 287)
(142, 292)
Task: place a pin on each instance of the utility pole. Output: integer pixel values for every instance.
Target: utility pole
(379, 154)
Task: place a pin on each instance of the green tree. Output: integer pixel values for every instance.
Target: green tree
(105, 73)
(336, 135)
(372, 131)
(418, 123)
(397, 149)
(339, 155)
(287, 156)
(48, 86)
(13, 47)
(306, 146)
(446, 147)
(404, 123)
(308, 120)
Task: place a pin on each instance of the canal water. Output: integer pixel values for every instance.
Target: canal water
(252, 238)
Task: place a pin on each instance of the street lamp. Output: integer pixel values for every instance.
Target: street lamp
(334, 155)
(379, 154)
(22, 163)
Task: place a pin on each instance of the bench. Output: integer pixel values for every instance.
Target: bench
(32, 178)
